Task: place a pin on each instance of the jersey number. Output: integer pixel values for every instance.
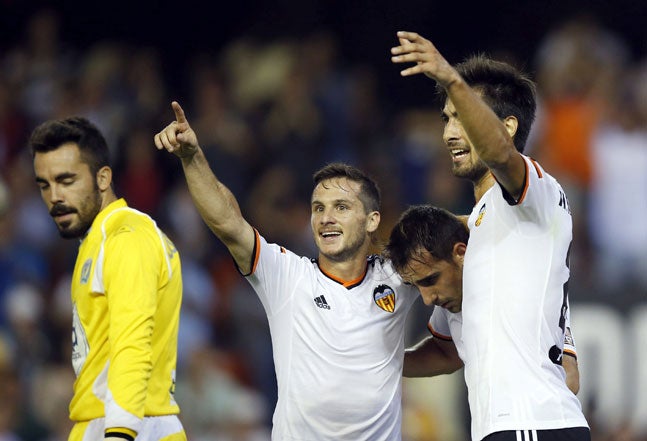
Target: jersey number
(555, 353)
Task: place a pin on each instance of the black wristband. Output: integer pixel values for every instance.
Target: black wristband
(125, 436)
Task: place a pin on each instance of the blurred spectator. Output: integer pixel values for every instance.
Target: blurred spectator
(425, 172)
(275, 202)
(32, 226)
(20, 259)
(11, 397)
(24, 305)
(198, 300)
(201, 295)
(226, 136)
(332, 87)
(578, 62)
(13, 125)
(216, 405)
(139, 174)
(52, 391)
(619, 192)
(40, 65)
(186, 228)
(253, 343)
(59, 316)
(292, 132)
(146, 89)
(104, 99)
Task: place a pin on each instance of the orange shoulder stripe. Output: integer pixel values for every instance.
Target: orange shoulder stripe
(257, 251)
(525, 185)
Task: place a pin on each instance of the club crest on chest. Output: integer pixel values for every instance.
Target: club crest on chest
(384, 297)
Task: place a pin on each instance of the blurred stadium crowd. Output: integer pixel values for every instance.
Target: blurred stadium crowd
(269, 113)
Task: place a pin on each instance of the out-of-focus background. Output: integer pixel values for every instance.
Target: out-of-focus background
(274, 90)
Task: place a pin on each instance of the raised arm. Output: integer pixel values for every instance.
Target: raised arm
(430, 357)
(215, 202)
(490, 136)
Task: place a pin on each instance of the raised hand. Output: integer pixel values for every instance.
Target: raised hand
(178, 137)
(414, 48)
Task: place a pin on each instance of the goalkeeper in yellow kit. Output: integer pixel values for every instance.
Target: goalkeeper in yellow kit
(126, 292)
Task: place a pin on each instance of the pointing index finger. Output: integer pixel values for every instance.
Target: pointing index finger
(407, 35)
(179, 113)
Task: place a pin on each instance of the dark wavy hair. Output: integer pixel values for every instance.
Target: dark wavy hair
(369, 191)
(52, 134)
(424, 227)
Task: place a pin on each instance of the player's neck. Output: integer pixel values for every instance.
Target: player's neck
(108, 197)
(344, 271)
(483, 184)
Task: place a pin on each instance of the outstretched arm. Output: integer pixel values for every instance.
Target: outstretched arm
(490, 136)
(430, 357)
(215, 202)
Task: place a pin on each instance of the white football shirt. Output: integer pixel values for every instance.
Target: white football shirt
(515, 285)
(338, 346)
(446, 325)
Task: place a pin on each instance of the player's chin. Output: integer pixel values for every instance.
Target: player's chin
(67, 230)
(63, 226)
(453, 308)
(338, 253)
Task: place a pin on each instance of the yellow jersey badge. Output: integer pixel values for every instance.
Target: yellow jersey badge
(85, 271)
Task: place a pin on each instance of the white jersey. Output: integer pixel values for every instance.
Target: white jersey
(338, 346)
(446, 325)
(515, 285)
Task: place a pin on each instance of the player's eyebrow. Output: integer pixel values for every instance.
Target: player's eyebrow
(429, 280)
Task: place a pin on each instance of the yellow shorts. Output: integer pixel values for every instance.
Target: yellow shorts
(159, 428)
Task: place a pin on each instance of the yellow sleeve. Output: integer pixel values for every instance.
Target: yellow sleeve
(131, 273)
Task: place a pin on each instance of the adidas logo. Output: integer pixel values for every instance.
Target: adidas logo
(321, 302)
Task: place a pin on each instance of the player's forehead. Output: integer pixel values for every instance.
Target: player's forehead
(338, 188)
(449, 108)
(420, 265)
(66, 158)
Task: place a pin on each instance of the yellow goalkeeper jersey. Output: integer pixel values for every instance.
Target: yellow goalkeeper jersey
(126, 296)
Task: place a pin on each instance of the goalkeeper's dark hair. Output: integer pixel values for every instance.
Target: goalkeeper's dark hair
(52, 134)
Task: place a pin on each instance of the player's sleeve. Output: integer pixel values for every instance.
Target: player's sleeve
(438, 325)
(276, 273)
(133, 260)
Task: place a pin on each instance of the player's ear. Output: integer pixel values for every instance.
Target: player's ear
(373, 221)
(511, 124)
(458, 252)
(104, 178)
